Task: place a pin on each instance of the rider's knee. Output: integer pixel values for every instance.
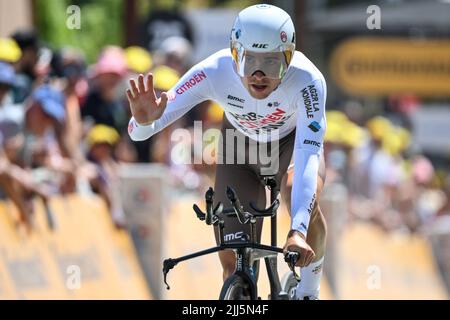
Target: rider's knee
(227, 272)
(228, 261)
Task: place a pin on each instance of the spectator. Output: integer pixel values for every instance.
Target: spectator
(138, 60)
(176, 53)
(8, 109)
(15, 183)
(427, 199)
(26, 66)
(9, 50)
(46, 143)
(69, 66)
(103, 105)
(101, 141)
(444, 210)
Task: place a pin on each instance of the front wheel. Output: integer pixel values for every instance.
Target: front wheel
(289, 285)
(236, 288)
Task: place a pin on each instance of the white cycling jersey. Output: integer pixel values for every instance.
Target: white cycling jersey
(297, 103)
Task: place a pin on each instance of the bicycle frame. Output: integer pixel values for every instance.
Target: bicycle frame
(272, 262)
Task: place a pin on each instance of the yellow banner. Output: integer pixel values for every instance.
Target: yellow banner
(84, 258)
(381, 265)
(380, 66)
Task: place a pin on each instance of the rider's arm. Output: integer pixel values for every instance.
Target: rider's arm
(190, 90)
(311, 126)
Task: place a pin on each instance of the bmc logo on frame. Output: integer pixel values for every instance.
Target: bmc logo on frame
(233, 236)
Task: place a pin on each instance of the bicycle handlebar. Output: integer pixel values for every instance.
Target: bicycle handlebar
(212, 215)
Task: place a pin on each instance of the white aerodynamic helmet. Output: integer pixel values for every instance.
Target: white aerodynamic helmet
(262, 38)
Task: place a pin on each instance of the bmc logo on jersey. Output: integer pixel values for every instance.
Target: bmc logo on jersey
(230, 97)
(260, 45)
(312, 142)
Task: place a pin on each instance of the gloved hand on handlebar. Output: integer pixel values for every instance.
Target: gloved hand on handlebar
(296, 242)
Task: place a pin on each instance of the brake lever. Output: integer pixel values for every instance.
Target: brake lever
(291, 258)
(168, 264)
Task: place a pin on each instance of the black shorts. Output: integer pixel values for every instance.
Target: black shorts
(245, 175)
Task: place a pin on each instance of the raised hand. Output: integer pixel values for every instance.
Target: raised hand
(144, 105)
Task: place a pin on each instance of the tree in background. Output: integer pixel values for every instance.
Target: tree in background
(101, 24)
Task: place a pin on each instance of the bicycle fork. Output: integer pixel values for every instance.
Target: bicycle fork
(243, 262)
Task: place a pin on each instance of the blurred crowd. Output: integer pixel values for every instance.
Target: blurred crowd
(63, 129)
(63, 121)
(389, 180)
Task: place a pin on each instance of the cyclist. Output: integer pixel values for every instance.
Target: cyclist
(274, 97)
